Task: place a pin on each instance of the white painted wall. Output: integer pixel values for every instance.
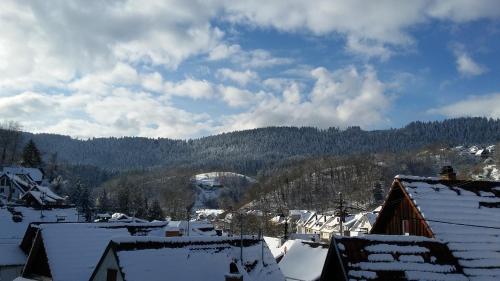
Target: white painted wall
(108, 262)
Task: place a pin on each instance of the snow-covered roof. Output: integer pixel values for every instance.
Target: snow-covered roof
(209, 212)
(11, 254)
(34, 173)
(22, 184)
(13, 231)
(362, 219)
(73, 249)
(196, 228)
(120, 217)
(193, 258)
(43, 195)
(274, 245)
(303, 260)
(304, 217)
(390, 257)
(465, 215)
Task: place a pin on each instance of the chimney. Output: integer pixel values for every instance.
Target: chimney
(447, 173)
(234, 273)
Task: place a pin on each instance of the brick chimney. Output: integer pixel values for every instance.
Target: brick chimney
(447, 173)
(234, 273)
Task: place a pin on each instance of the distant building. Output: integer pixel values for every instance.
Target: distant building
(19, 184)
(186, 259)
(191, 228)
(325, 226)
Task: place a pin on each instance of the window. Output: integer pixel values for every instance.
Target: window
(111, 274)
(2, 190)
(405, 227)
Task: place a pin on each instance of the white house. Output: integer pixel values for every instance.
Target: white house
(363, 223)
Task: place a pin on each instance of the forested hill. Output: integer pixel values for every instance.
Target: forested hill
(252, 150)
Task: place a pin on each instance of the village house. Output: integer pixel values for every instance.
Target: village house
(303, 220)
(25, 185)
(187, 258)
(191, 228)
(13, 186)
(362, 223)
(42, 196)
(71, 251)
(328, 225)
(462, 214)
(390, 257)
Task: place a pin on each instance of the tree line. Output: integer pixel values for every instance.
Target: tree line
(252, 151)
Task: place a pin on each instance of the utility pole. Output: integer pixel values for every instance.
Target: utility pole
(341, 213)
(241, 238)
(285, 236)
(188, 210)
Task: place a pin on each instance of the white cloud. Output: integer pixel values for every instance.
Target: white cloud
(118, 112)
(463, 10)
(371, 27)
(257, 58)
(223, 51)
(96, 68)
(240, 77)
(236, 97)
(50, 44)
(368, 48)
(195, 89)
(466, 66)
(485, 106)
(342, 98)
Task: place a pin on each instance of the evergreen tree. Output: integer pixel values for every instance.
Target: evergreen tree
(103, 202)
(80, 196)
(31, 155)
(138, 204)
(123, 199)
(155, 212)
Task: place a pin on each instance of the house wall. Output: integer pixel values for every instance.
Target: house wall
(109, 262)
(10, 272)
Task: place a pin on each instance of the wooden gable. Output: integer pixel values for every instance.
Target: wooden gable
(399, 216)
(37, 264)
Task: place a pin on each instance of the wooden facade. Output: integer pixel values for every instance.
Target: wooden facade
(399, 216)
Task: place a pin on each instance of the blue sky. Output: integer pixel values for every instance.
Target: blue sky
(184, 69)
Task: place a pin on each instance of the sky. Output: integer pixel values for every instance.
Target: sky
(188, 68)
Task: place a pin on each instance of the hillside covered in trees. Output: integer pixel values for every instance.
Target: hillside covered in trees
(251, 151)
